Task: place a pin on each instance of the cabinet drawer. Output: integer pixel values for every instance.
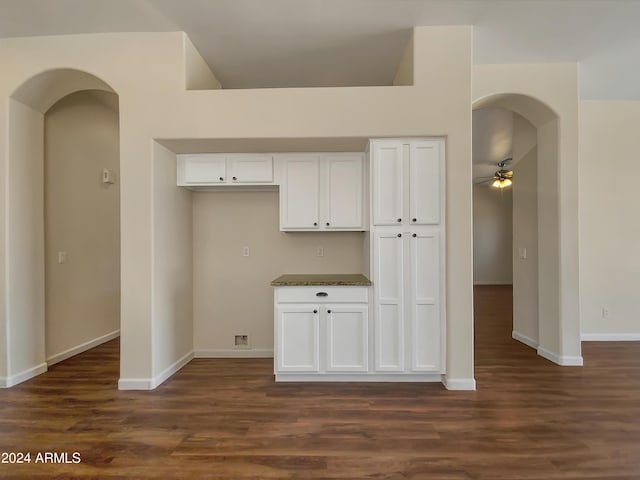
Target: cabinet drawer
(315, 294)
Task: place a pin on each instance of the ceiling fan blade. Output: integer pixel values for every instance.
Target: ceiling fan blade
(483, 181)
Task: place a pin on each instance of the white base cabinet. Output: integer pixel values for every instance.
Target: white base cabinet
(321, 329)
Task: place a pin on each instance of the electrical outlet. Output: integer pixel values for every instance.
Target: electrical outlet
(320, 252)
(245, 251)
(605, 313)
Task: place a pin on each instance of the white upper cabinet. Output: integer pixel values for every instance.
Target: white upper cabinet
(251, 168)
(202, 169)
(299, 192)
(387, 183)
(343, 191)
(424, 182)
(322, 192)
(209, 169)
(407, 179)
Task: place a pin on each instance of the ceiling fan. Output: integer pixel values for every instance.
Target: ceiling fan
(502, 178)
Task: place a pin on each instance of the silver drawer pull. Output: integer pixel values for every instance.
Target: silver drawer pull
(322, 294)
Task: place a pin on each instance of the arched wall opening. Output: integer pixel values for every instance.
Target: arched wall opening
(553, 338)
(26, 352)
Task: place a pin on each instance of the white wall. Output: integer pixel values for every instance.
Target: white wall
(232, 293)
(25, 292)
(525, 231)
(172, 268)
(82, 218)
(609, 220)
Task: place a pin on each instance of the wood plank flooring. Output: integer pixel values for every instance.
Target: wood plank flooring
(227, 419)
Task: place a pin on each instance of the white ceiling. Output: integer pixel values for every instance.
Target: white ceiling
(282, 43)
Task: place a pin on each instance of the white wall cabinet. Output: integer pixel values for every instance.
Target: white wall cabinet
(321, 329)
(407, 181)
(322, 192)
(300, 192)
(210, 169)
(407, 255)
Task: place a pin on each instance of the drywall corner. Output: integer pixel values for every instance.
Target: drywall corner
(404, 73)
(198, 75)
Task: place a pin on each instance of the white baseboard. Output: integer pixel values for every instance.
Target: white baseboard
(563, 360)
(23, 376)
(171, 369)
(234, 353)
(357, 377)
(529, 342)
(610, 337)
(459, 383)
(491, 282)
(83, 347)
(152, 383)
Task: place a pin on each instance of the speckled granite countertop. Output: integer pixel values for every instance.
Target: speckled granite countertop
(314, 279)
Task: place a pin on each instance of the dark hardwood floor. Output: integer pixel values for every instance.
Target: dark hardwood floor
(227, 419)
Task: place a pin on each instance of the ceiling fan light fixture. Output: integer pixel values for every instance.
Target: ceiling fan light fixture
(502, 182)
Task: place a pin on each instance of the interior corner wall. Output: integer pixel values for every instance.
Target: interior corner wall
(198, 75)
(492, 235)
(404, 72)
(172, 268)
(82, 219)
(525, 231)
(25, 242)
(609, 226)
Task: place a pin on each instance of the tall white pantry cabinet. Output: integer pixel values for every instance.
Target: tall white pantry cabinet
(407, 254)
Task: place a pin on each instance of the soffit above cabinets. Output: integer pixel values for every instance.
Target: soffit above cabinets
(262, 145)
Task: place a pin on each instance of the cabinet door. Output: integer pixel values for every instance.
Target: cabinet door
(201, 169)
(424, 191)
(387, 184)
(426, 335)
(299, 193)
(297, 333)
(347, 335)
(251, 169)
(343, 198)
(388, 281)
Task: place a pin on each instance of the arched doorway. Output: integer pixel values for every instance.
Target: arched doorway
(558, 332)
(25, 354)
